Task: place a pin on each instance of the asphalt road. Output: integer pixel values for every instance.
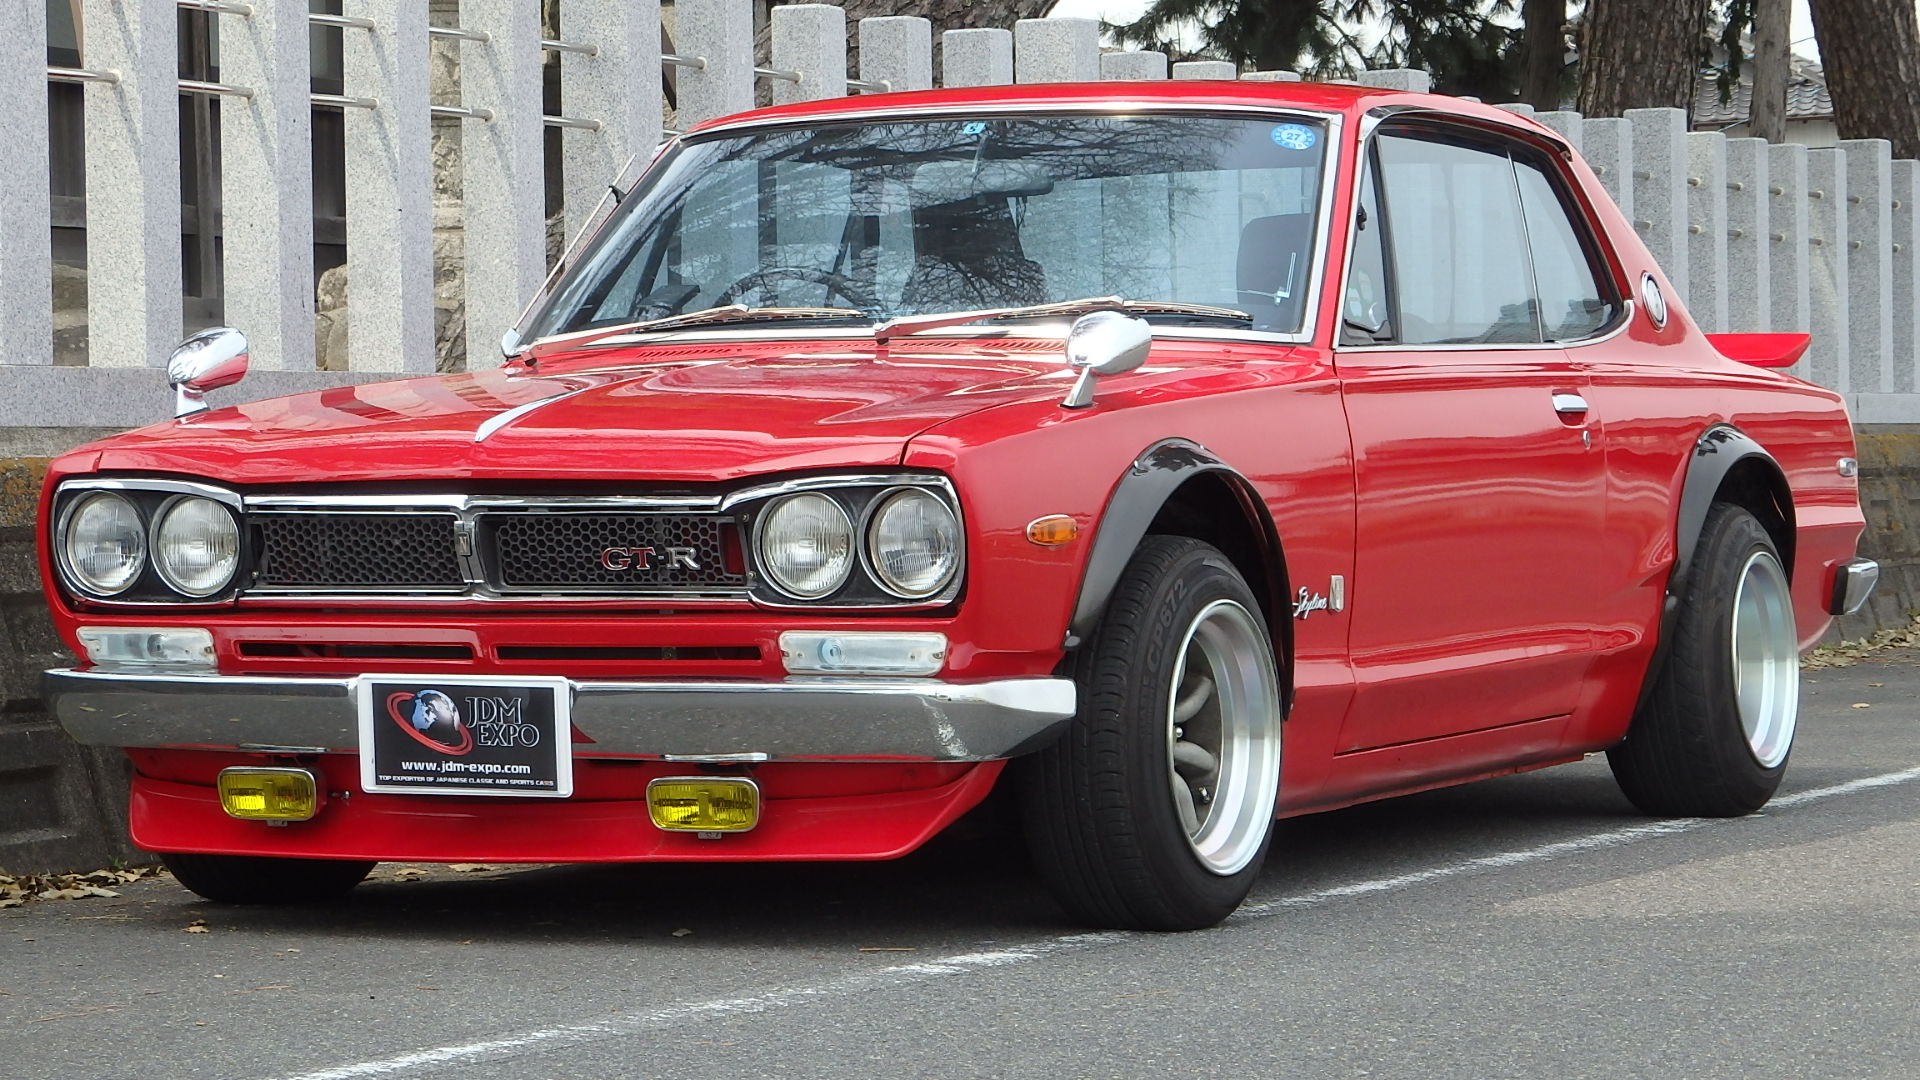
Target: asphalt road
(1533, 926)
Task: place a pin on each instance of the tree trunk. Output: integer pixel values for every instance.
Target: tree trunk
(1545, 57)
(1640, 54)
(1772, 67)
(1871, 51)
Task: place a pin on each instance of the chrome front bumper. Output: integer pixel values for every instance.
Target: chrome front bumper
(1852, 584)
(824, 719)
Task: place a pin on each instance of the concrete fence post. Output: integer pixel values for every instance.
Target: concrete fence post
(810, 40)
(897, 50)
(1660, 189)
(1906, 273)
(1869, 280)
(389, 190)
(266, 184)
(1271, 76)
(618, 85)
(1789, 283)
(1831, 308)
(1518, 108)
(1565, 124)
(976, 57)
(1056, 50)
(503, 170)
(1205, 69)
(26, 255)
(134, 278)
(1706, 229)
(1749, 280)
(1409, 79)
(1608, 143)
(1125, 66)
(718, 33)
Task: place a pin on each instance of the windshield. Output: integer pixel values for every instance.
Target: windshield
(919, 217)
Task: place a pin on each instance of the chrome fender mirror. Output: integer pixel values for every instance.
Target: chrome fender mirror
(1104, 343)
(208, 360)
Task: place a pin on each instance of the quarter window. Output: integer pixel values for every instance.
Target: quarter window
(1573, 304)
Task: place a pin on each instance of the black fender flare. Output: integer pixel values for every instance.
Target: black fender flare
(1152, 478)
(1716, 453)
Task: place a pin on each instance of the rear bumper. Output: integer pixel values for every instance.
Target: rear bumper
(1853, 582)
(825, 719)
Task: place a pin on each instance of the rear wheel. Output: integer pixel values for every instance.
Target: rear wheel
(256, 879)
(1154, 811)
(1713, 736)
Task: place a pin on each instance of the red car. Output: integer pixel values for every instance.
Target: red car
(1178, 455)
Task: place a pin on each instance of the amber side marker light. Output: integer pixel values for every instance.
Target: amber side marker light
(268, 794)
(1054, 530)
(704, 804)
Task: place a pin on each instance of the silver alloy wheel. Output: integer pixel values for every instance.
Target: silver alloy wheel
(1223, 736)
(1766, 659)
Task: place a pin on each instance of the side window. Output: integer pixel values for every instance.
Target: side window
(1366, 311)
(1457, 241)
(1573, 302)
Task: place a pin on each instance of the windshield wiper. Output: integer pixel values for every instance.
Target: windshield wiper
(913, 324)
(713, 316)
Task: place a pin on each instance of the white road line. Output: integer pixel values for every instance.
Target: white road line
(964, 963)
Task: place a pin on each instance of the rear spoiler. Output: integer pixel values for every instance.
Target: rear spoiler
(1762, 350)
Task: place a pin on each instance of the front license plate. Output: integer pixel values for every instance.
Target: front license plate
(439, 735)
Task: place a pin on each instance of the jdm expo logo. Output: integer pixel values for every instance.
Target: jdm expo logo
(435, 719)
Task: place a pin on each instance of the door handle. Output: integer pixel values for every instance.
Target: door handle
(1569, 404)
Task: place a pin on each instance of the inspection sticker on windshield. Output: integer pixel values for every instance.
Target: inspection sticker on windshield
(1294, 136)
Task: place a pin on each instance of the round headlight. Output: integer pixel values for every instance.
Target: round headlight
(913, 544)
(196, 546)
(806, 545)
(105, 545)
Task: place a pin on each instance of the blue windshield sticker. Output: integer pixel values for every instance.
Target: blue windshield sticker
(1294, 136)
(974, 127)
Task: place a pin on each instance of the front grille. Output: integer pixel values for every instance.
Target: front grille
(356, 551)
(609, 552)
(529, 549)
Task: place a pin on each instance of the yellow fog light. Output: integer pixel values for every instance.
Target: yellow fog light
(704, 803)
(262, 794)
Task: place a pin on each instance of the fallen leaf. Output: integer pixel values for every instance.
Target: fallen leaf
(409, 873)
(197, 926)
(470, 867)
(419, 987)
(1876, 684)
(682, 932)
(1861, 705)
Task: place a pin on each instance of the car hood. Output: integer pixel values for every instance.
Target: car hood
(665, 413)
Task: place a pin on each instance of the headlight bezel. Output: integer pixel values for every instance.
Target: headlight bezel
(869, 542)
(859, 496)
(150, 498)
(168, 575)
(65, 521)
(762, 549)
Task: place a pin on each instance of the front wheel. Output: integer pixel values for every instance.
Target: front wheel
(1713, 736)
(1154, 810)
(256, 879)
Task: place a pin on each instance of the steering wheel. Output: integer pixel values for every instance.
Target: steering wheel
(836, 284)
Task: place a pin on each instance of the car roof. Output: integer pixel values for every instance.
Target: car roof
(1343, 98)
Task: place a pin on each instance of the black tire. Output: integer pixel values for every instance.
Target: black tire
(1099, 806)
(255, 879)
(1694, 749)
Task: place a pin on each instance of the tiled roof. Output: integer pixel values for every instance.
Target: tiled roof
(1807, 97)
